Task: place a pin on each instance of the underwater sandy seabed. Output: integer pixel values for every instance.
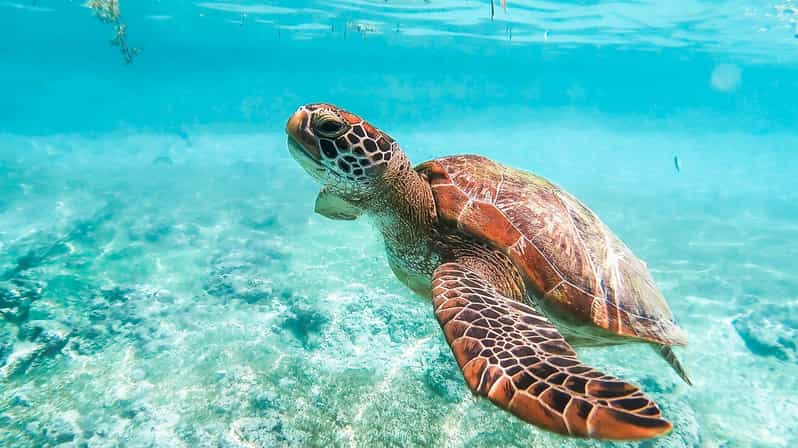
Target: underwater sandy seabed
(177, 290)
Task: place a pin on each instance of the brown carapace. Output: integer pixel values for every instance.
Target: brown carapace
(518, 270)
(569, 257)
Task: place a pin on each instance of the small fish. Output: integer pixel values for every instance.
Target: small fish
(163, 160)
(183, 136)
(546, 36)
(677, 164)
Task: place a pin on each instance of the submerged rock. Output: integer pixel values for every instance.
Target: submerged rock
(20, 399)
(16, 297)
(20, 359)
(50, 333)
(686, 431)
(68, 288)
(236, 276)
(441, 374)
(263, 400)
(240, 286)
(493, 438)
(59, 431)
(30, 260)
(151, 229)
(658, 384)
(304, 322)
(770, 330)
(6, 344)
(263, 432)
(89, 340)
(115, 294)
(38, 340)
(127, 408)
(267, 221)
(118, 312)
(88, 229)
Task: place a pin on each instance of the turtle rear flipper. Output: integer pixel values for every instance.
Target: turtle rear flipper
(511, 354)
(667, 352)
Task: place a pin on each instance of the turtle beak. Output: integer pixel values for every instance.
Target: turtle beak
(298, 132)
(296, 122)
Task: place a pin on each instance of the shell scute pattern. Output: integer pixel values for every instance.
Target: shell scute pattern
(567, 255)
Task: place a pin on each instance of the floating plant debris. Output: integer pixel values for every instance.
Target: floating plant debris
(108, 12)
(492, 9)
(362, 27)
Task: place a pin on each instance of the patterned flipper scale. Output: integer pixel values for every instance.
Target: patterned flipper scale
(511, 354)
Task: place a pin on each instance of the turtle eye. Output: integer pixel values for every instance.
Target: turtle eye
(328, 126)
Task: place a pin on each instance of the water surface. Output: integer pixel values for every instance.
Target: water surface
(164, 282)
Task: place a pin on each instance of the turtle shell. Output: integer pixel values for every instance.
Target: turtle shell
(568, 257)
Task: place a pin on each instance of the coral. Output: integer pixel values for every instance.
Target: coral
(770, 330)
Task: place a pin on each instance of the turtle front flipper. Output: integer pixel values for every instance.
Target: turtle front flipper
(332, 206)
(511, 354)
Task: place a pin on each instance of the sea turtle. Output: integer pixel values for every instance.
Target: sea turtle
(517, 269)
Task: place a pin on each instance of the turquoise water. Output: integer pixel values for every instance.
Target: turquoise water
(164, 281)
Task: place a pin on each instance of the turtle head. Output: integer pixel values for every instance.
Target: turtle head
(340, 150)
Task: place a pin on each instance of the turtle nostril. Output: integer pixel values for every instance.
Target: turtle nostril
(296, 123)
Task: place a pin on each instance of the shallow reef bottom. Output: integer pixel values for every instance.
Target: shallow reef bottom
(177, 290)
